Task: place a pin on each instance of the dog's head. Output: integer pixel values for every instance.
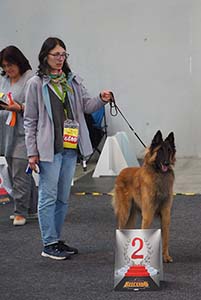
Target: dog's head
(161, 153)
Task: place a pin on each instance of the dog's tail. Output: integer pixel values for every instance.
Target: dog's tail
(122, 199)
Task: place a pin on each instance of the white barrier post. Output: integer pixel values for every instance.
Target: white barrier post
(115, 156)
(111, 159)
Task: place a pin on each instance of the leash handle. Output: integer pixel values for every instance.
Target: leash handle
(113, 107)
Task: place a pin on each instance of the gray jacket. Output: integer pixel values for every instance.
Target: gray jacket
(12, 139)
(38, 121)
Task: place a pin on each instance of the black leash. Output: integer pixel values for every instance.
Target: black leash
(114, 109)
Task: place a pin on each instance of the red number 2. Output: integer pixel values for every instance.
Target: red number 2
(135, 255)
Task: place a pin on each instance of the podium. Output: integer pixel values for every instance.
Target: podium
(138, 260)
(115, 156)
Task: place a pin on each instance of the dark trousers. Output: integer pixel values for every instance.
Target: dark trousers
(24, 190)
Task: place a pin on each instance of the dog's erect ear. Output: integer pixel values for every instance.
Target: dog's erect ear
(157, 140)
(170, 139)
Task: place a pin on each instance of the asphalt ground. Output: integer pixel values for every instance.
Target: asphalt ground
(90, 226)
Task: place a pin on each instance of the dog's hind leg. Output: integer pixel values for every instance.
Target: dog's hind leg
(132, 216)
(147, 218)
(147, 214)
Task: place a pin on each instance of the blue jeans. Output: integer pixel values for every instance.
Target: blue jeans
(54, 188)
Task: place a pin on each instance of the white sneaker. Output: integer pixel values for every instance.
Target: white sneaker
(29, 217)
(19, 220)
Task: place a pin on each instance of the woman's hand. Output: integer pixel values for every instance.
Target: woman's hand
(33, 161)
(13, 107)
(106, 96)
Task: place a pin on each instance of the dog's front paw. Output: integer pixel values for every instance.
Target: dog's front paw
(167, 259)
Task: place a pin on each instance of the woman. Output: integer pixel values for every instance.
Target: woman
(53, 95)
(16, 72)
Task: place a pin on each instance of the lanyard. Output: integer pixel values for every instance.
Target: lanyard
(61, 95)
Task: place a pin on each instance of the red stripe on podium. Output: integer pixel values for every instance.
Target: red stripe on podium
(137, 271)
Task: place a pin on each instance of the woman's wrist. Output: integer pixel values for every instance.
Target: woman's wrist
(20, 108)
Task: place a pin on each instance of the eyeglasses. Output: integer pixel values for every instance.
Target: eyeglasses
(58, 55)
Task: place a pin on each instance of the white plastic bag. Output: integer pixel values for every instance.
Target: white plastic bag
(4, 176)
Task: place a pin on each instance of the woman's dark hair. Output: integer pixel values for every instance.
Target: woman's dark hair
(13, 55)
(49, 44)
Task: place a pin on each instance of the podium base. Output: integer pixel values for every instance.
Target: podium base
(135, 284)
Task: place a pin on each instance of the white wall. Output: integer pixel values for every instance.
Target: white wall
(147, 51)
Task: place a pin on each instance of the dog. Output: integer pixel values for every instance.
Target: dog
(148, 188)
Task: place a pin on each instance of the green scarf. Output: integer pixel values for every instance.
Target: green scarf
(62, 80)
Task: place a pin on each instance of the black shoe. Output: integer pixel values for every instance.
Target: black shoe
(53, 251)
(66, 248)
